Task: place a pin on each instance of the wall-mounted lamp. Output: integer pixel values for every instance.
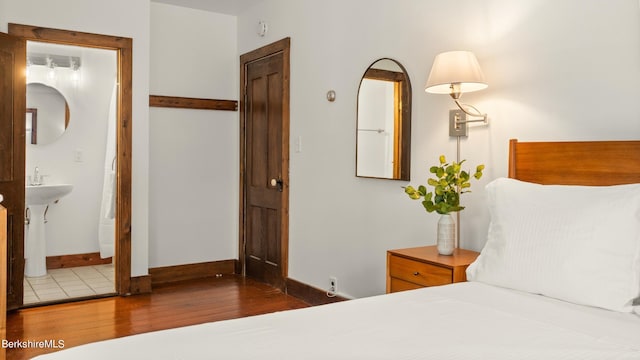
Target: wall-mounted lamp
(51, 74)
(54, 62)
(455, 73)
(28, 73)
(75, 76)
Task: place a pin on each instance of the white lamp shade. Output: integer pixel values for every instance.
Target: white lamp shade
(455, 67)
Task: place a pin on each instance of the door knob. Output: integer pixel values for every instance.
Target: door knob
(276, 183)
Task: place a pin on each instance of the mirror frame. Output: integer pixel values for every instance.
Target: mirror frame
(32, 115)
(402, 132)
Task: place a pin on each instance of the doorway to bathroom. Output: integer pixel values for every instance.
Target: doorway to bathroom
(70, 155)
(85, 224)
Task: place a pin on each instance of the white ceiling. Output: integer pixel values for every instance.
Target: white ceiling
(230, 7)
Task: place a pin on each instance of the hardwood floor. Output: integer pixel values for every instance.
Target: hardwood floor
(170, 305)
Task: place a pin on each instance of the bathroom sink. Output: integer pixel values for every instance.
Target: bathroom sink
(38, 198)
(46, 194)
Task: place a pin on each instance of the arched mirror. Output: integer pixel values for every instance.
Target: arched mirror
(47, 114)
(384, 122)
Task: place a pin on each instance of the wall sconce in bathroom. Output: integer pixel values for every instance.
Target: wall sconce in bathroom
(455, 73)
(53, 62)
(52, 69)
(73, 65)
(28, 72)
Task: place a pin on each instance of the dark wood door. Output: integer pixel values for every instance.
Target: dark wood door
(265, 178)
(12, 152)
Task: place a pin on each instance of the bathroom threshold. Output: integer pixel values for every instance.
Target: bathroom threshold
(66, 300)
(69, 284)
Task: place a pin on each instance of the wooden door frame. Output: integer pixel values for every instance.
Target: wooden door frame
(13, 168)
(278, 47)
(124, 50)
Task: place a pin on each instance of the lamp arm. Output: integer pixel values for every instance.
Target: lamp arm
(476, 112)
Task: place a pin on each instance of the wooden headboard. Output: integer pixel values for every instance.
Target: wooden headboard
(575, 163)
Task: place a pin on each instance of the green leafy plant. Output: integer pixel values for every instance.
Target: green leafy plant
(449, 183)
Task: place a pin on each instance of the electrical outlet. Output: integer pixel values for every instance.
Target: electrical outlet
(78, 155)
(333, 283)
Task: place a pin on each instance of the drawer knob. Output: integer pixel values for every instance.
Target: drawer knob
(416, 273)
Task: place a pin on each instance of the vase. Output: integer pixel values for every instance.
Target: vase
(446, 234)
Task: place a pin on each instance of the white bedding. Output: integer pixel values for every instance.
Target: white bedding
(460, 321)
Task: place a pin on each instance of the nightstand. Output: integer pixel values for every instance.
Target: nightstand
(418, 267)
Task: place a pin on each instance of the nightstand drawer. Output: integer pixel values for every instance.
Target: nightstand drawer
(396, 285)
(418, 272)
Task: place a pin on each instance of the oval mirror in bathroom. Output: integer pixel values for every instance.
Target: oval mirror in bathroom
(47, 114)
(384, 122)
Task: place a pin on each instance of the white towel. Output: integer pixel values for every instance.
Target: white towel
(110, 212)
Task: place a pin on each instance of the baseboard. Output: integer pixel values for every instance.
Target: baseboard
(75, 260)
(140, 285)
(167, 274)
(310, 294)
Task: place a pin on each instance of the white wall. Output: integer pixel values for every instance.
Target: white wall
(557, 70)
(116, 17)
(193, 202)
(72, 226)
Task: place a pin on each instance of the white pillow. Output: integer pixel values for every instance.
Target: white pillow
(576, 243)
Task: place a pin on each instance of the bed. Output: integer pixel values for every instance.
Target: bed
(565, 288)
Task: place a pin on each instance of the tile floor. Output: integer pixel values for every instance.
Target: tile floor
(67, 283)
